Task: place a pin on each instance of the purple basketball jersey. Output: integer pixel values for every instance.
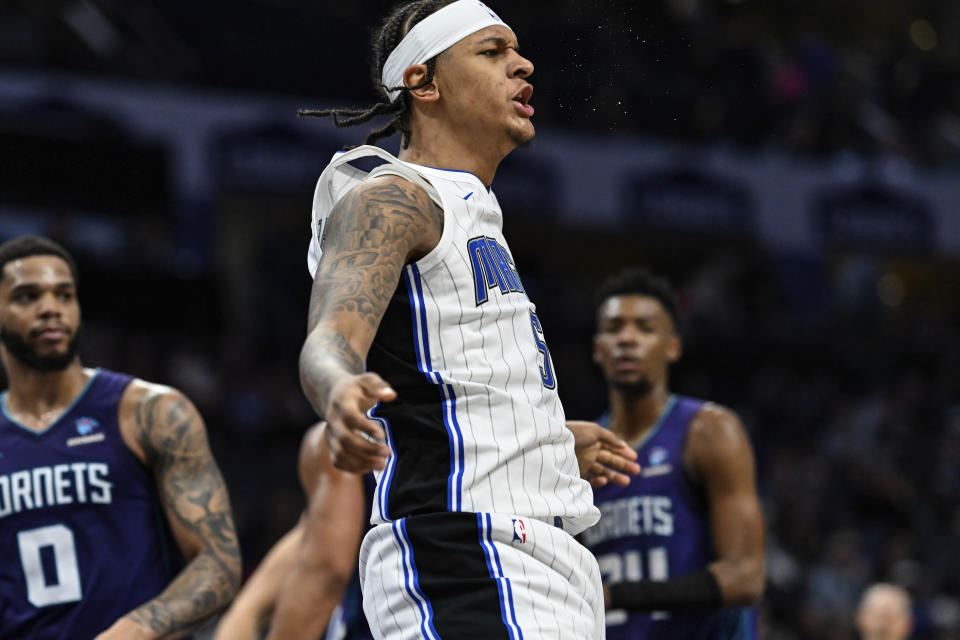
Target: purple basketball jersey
(82, 537)
(656, 528)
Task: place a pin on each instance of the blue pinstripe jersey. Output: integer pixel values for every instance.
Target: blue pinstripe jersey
(477, 425)
(656, 528)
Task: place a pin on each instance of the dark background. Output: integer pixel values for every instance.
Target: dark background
(158, 141)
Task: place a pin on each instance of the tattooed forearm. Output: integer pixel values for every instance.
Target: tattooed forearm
(188, 602)
(325, 357)
(372, 233)
(197, 506)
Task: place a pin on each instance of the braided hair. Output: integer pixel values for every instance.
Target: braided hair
(385, 40)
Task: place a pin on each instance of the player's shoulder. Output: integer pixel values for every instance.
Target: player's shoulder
(311, 446)
(149, 412)
(312, 438)
(315, 461)
(715, 427)
(386, 211)
(398, 192)
(715, 416)
(718, 449)
(140, 392)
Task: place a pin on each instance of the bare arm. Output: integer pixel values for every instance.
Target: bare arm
(248, 615)
(326, 558)
(719, 455)
(372, 233)
(719, 458)
(163, 428)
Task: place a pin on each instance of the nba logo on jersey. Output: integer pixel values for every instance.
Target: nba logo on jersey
(519, 531)
(658, 455)
(86, 425)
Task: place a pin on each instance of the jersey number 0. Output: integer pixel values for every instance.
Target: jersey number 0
(66, 587)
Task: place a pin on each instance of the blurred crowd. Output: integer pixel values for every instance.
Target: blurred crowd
(818, 77)
(855, 418)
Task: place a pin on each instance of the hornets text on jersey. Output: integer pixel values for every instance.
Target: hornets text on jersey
(82, 537)
(656, 528)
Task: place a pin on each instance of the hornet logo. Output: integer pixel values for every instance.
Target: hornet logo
(86, 425)
(659, 455)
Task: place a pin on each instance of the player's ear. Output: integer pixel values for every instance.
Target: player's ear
(414, 75)
(674, 348)
(596, 350)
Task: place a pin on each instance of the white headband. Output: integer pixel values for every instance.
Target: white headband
(433, 35)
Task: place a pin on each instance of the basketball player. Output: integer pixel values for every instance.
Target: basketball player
(298, 586)
(428, 360)
(104, 479)
(681, 547)
(885, 613)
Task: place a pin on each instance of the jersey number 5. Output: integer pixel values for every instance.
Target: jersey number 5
(65, 587)
(546, 371)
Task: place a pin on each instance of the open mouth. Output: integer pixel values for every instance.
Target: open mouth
(522, 100)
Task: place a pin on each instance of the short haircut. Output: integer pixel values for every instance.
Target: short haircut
(641, 282)
(27, 246)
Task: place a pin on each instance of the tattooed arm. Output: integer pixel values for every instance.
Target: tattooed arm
(165, 431)
(372, 233)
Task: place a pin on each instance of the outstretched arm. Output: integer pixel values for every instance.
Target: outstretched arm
(250, 612)
(372, 233)
(162, 427)
(326, 557)
(719, 458)
(602, 456)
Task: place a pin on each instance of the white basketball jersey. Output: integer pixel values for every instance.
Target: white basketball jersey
(477, 424)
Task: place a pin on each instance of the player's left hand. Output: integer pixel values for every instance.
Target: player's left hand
(602, 456)
(127, 629)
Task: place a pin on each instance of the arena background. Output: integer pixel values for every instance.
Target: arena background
(791, 165)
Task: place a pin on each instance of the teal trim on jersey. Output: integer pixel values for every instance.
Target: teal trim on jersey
(667, 409)
(83, 392)
(604, 421)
